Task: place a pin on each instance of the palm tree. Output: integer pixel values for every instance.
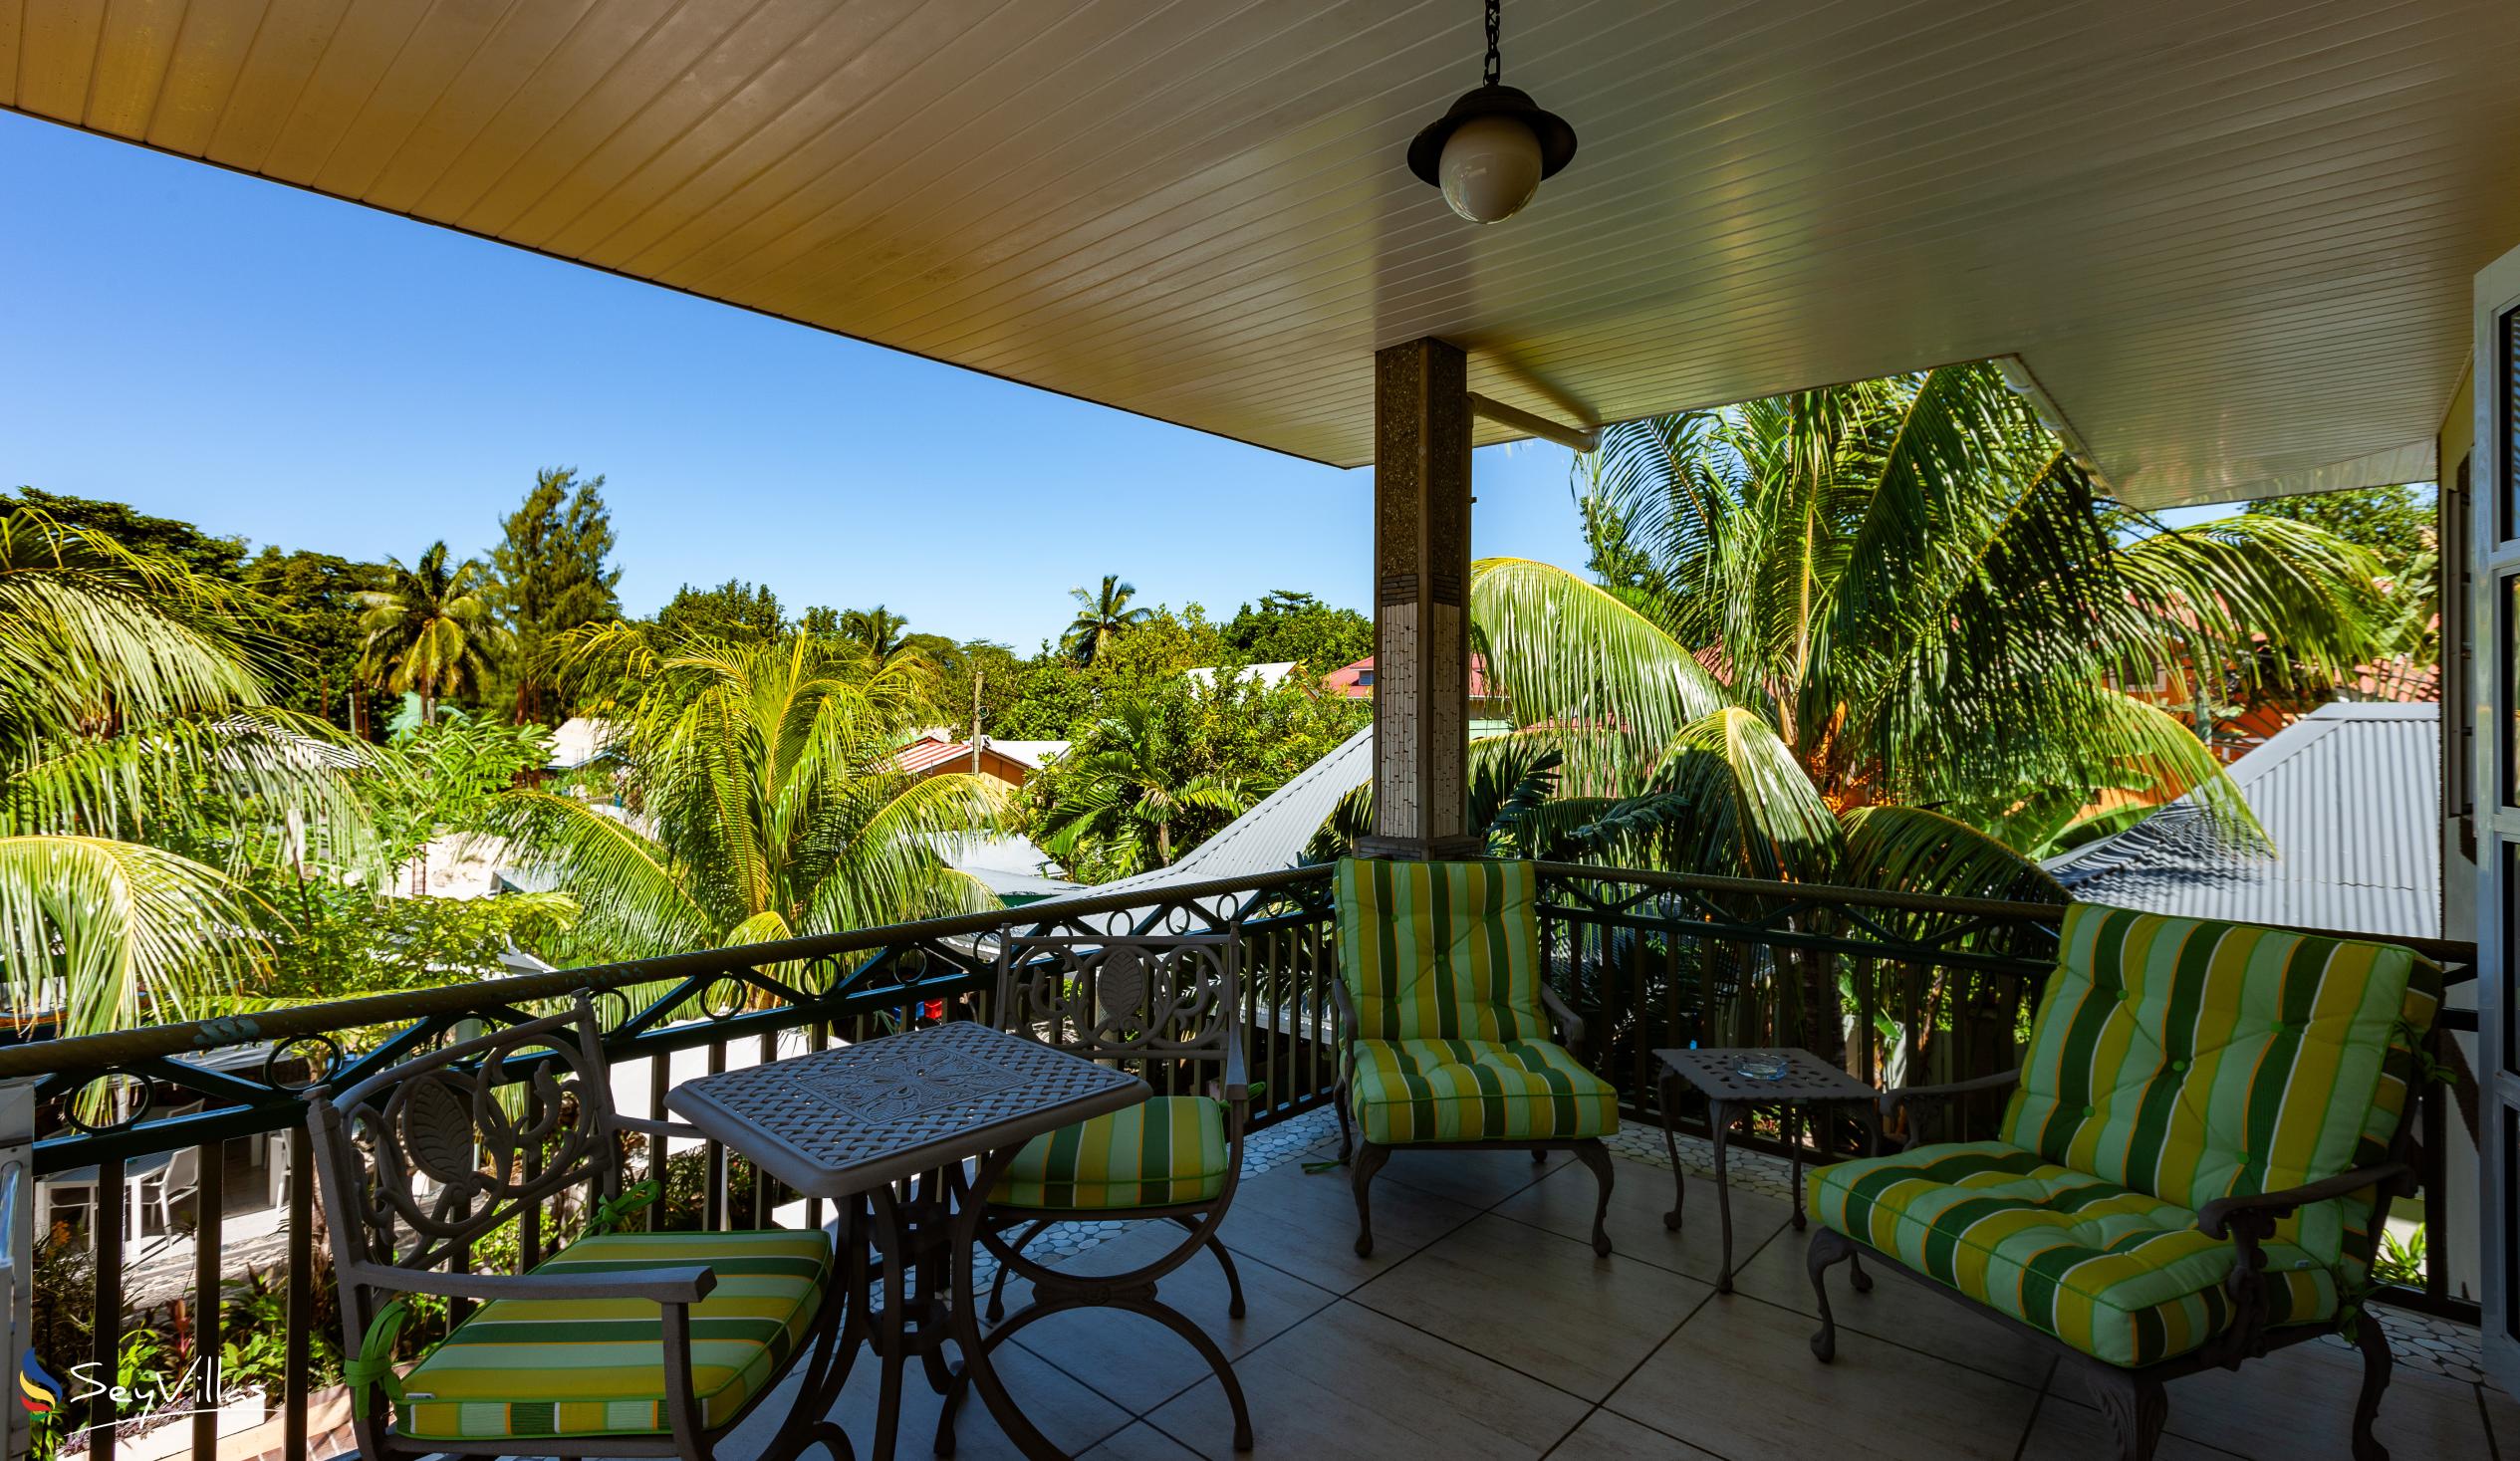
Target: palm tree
(1129, 779)
(1878, 629)
(876, 630)
(130, 705)
(769, 805)
(430, 632)
(1101, 617)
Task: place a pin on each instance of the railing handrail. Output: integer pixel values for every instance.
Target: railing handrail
(2439, 950)
(123, 1047)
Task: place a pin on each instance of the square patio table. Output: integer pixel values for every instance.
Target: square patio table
(883, 1129)
(1806, 1080)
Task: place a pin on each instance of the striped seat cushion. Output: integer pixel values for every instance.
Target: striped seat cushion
(1478, 1090)
(524, 1367)
(1440, 951)
(2192, 1060)
(1169, 1150)
(2119, 1276)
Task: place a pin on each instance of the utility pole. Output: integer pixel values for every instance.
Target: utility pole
(979, 677)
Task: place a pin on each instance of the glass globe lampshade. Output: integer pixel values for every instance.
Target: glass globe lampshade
(1491, 168)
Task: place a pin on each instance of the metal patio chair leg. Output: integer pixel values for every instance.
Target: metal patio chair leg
(1370, 1159)
(1224, 1260)
(1596, 1157)
(2373, 1341)
(1826, 1249)
(2136, 1404)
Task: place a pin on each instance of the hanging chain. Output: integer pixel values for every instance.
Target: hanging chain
(1495, 66)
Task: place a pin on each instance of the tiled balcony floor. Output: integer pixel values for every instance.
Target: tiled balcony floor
(1484, 1328)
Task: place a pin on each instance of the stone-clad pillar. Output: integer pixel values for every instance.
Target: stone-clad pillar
(1421, 572)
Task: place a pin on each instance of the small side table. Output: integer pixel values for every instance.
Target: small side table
(1808, 1081)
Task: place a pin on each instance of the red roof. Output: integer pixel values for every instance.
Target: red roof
(1349, 680)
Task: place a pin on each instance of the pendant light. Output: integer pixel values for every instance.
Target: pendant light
(1491, 151)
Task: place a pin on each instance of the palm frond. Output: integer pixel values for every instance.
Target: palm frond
(111, 934)
(1567, 653)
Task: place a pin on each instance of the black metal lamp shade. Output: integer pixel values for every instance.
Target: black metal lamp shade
(1557, 139)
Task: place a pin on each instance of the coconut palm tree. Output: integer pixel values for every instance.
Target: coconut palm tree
(1130, 781)
(876, 630)
(768, 804)
(430, 631)
(131, 706)
(1102, 617)
(1887, 625)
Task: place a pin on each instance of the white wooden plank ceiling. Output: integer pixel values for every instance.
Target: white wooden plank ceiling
(2231, 240)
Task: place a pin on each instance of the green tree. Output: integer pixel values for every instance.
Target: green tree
(1129, 779)
(1901, 600)
(734, 612)
(2401, 527)
(550, 574)
(1103, 615)
(317, 599)
(131, 712)
(876, 630)
(1288, 626)
(429, 632)
(209, 554)
(765, 795)
(2396, 523)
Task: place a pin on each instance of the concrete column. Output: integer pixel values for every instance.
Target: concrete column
(1421, 574)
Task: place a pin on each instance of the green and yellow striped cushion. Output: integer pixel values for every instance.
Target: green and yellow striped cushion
(1169, 1150)
(1440, 951)
(2192, 1060)
(2119, 1276)
(1478, 1090)
(524, 1367)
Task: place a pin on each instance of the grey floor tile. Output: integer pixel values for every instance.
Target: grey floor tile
(1306, 1223)
(1605, 1436)
(1348, 1381)
(1900, 1309)
(2300, 1401)
(1739, 1380)
(1137, 1362)
(1477, 1178)
(1141, 1442)
(2068, 1430)
(1564, 1201)
(1538, 1303)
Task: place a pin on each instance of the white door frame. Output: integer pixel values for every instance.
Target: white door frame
(2494, 609)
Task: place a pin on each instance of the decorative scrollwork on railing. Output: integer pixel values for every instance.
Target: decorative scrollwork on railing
(1119, 998)
(456, 1145)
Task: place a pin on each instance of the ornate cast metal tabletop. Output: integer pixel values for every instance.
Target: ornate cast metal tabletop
(886, 1128)
(1734, 1080)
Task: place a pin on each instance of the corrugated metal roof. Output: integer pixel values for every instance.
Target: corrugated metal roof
(2351, 797)
(2233, 242)
(1266, 839)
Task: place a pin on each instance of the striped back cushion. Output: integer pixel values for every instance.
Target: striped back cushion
(1440, 951)
(2192, 1060)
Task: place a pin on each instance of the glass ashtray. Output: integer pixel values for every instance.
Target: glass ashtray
(1760, 1068)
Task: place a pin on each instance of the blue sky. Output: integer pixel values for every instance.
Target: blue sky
(303, 371)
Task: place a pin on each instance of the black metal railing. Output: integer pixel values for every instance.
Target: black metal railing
(108, 1100)
(1897, 988)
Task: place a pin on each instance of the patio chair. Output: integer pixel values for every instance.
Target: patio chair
(619, 1343)
(1442, 1019)
(2193, 1167)
(1168, 1006)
